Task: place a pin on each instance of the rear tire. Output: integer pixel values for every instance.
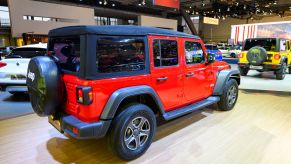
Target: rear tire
(280, 74)
(243, 71)
(232, 55)
(289, 69)
(132, 131)
(229, 96)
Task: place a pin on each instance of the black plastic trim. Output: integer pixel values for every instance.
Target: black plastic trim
(118, 96)
(222, 77)
(190, 108)
(85, 130)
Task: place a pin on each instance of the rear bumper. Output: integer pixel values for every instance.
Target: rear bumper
(13, 87)
(266, 67)
(83, 130)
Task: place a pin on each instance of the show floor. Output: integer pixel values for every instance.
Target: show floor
(264, 81)
(257, 130)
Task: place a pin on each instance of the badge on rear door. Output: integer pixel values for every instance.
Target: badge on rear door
(30, 75)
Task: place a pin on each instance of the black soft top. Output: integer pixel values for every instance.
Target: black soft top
(116, 30)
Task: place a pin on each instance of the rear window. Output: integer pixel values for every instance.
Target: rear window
(67, 50)
(26, 52)
(120, 54)
(268, 44)
(211, 47)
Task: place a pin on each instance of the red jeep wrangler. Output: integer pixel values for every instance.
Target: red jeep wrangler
(116, 80)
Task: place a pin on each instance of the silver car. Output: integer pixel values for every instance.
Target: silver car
(13, 68)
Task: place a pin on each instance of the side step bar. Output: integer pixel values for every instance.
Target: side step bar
(190, 108)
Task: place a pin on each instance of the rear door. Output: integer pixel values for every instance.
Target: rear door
(197, 74)
(166, 70)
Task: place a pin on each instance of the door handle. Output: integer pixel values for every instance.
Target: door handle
(162, 79)
(190, 74)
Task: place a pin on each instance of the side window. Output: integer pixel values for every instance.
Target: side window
(283, 45)
(194, 53)
(120, 54)
(165, 53)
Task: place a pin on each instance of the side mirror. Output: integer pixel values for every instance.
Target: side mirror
(210, 58)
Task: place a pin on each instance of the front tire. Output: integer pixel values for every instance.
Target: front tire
(229, 96)
(132, 131)
(243, 71)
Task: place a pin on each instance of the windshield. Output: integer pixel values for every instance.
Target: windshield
(26, 52)
(211, 47)
(268, 44)
(67, 50)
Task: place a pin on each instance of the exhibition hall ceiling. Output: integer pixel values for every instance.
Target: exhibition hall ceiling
(242, 9)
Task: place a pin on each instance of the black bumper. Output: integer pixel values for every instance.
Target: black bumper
(266, 67)
(13, 87)
(83, 130)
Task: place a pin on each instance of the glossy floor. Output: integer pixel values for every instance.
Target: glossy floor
(258, 130)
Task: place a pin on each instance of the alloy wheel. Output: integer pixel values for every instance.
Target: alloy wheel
(231, 95)
(137, 133)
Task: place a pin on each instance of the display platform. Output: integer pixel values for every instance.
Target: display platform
(256, 131)
(14, 105)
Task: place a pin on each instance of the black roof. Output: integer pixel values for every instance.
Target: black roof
(116, 30)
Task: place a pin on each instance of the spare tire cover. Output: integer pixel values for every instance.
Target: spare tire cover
(256, 55)
(45, 85)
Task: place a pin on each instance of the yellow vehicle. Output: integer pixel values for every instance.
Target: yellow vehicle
(266, 54)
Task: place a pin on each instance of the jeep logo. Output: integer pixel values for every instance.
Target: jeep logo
(255, 54)
(31, 75)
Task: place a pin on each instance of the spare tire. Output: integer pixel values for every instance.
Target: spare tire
(45, 85)
(257, 55)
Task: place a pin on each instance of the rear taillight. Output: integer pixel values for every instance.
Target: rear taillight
(2, 64)
(240, 55)
(277, 56)
(84, 95)
(218, 52)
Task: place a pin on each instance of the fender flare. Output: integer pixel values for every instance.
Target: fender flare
(222, 77)
(119, 95)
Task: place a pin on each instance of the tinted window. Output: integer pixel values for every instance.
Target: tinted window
(67, 50)
(211, 47)
(194, 53)
(26, 52)
(120, 54)
(268, 44)
(165, 53)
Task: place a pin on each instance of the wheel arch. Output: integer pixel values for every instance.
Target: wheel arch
(222, 77)
(136, 94)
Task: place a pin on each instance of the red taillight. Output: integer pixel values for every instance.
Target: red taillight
(80, 97)
(2, 64)
(240, 55)
(218, 52)
(75, 130)
(84, 95)
(277, 56)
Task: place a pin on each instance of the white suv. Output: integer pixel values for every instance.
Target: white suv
(13, 68)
